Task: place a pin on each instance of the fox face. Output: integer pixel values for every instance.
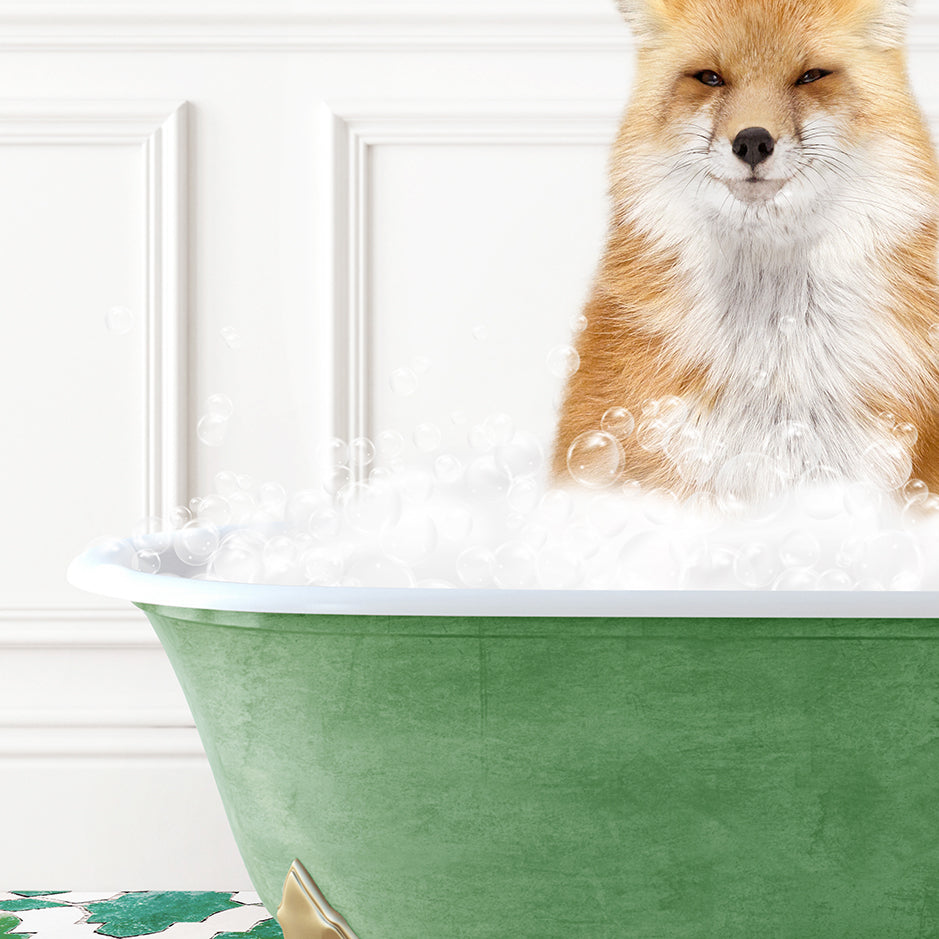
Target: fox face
(764, 115)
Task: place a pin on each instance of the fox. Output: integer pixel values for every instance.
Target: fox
(766, 305)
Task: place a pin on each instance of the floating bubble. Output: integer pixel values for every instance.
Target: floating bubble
(376, 570)
(147, 562)
(654, 434)
(888, 465)
(535, 535)
(273, 498)
(337, 480)
(595, 459)
(212, 430)
(559, 568)
(238, 558)
(500, 429)
(361, 452)
(486, 480)
(417, 485)
(915, 491)
(479, 439)
(325, 523)
(514, 565)
(921, 513)
(411, 540)
(556, 507)
(709, 567)
(404, 382)
(891, 558)
(523, 495)
(905, 434)
(618, 422)
(321, 567)
(152, 534)
(796, 578)
(787, 325)
(454, 522)
(834, 579)
(799, 548)
(521, 456)
(220, 406)
(745, 480)
(427, 437)
(196, 542)
(214, 510)
(372, 507)
(661, 507)
(650, 559)
(563, 361)
(480, 333)
(178, 516)
(231, 337)
(119, 320)
(755, 565)
(474, 567)
(578, 324)
(448, 469)
(279, 556)
(389, 444)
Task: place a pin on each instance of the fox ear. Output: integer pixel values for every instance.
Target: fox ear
(888, 24)
(641, 17)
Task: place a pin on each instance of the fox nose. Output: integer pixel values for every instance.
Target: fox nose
(753, 145)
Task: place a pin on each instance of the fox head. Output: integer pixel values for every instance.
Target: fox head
(757, 114)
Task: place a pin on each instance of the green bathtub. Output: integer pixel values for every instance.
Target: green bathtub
(444, 772)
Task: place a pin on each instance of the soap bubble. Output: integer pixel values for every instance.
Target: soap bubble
(563, 361)
(709, 567)
(579, 324)
(654, 434)
(650, 559)
(480, 333)
(618, 422)
(448, 469)
(337, 480)
(273, 498)
(479, 439)
(521, 456)
(514, 565)
(322, 567)
(152, 534)
(389, 444)
(915, 491)
(583, 539)
(238, 558)
(332, 453)
(113, 551)
(595, 459)
(212, 430)
(474, 567)
(220, 406)
(661, 507)
(799, 548)
(787, 325)
(500, 428)
(486, 480)
(523, 495)
(454, 522)
(361, 452)
(178, 516)
(891, 558)
(556, 507)
(325, 523)
(921, 513)
(279, 556)
(147, 562)
(226, 482)
(796, 578)
(905, 434)
(214, 510)
(371, 507)
(196, 542)
(427, 437)
(888, 464)
(376, 570)
(755, 565)
(745, 480)
(535, 535)
(559, 568)
(834, 579)
(231, 337)
(417, 485)
(403, 382)
(119, 320)
(411, 540)
(862, 499)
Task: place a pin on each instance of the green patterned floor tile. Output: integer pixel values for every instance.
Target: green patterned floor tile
(7, 923)
(141, 914)
(30, 903)
(269, 929)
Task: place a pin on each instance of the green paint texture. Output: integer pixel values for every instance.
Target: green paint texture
(9, 923)
(136, 914)
(549, 777)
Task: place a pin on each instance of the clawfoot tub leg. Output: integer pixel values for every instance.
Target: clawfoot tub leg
(304, 912)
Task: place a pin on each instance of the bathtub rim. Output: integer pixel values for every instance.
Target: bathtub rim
(93, 573)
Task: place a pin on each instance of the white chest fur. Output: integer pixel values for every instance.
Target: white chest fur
(795, 342)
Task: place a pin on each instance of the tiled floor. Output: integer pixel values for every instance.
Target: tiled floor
(59, 914)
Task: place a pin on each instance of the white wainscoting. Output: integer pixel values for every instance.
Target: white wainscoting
(343, 183)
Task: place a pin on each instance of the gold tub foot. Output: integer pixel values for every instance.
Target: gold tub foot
(304, 912)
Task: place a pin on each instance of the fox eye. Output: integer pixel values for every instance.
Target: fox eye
(707, 77)
(812, 75)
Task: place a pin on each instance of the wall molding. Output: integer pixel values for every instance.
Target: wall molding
(102, 628)
(356, 25)
(159, 130)
(350, 132)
